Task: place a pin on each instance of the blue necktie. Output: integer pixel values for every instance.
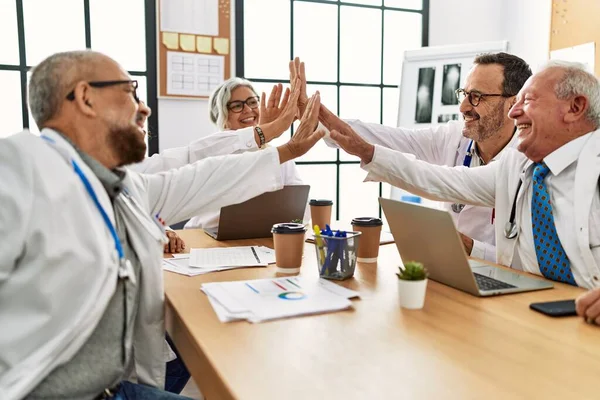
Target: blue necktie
(553, 261)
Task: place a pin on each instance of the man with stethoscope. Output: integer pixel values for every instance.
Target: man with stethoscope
(546, 192)
(81, 295)
(488, 94)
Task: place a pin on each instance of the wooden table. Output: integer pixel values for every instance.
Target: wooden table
(457, 347)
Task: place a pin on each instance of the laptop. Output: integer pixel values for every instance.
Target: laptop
(254, 218)
(429, 236)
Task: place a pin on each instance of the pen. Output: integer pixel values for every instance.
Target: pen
(319, 242)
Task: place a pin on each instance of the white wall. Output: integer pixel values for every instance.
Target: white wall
(524, 23)
(466, 21)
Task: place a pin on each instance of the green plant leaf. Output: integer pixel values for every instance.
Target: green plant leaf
(412, 271)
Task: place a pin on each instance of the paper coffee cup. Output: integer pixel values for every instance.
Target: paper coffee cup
(288, 239)
(320, 212)
(368, 246)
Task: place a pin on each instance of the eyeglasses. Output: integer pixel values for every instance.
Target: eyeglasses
(238, 105)
(103, 84)
(474, 96)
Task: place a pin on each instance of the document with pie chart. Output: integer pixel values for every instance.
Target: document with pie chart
(267, 299)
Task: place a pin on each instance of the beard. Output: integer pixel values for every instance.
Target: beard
(127, 144)
(487, 126)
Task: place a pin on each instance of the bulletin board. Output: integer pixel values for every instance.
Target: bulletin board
(429, 79)
(194, 47)
(573, 23)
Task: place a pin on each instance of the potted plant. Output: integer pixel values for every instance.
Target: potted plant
(412, 282)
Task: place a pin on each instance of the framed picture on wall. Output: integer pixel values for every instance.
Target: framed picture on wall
(430, 77)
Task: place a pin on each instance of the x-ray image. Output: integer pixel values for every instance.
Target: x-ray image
(447, 117)
(450, 84)
(425, 95)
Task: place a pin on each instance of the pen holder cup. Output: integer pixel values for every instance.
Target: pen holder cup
(336, 256)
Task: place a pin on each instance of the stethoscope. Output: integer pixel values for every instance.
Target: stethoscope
(510, 228)
(457, 207)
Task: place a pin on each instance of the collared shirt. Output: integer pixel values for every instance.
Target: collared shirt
(496, 183)
(217, 144)
(561, 183)
(106, 357)
(441, 145)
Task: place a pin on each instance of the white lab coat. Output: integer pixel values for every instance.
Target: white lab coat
(496, 185)
(217, 144)
(58, 263)
(440, 145)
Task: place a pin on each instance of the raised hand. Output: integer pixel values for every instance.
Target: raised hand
(285, 118)
(352, 143)
(269, 111)
(306, 135)
(298, 77)
(330, 120)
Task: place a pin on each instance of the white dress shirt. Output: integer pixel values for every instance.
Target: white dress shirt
(441, 145)
(561, 187)
(217, 144)
(573, 188)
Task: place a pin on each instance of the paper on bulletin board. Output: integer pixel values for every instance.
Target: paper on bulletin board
(187, 42)
(194, 74)
(203, 44)
(170, 40)
(222, 45)
(583, 53)
(197, 17)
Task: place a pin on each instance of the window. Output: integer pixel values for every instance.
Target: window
(123, 30)
(353, 53)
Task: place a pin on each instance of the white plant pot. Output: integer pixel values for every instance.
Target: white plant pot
(412, 293)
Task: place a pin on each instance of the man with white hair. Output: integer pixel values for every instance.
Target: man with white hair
(490, 90)
(552, 179)
(81, 295)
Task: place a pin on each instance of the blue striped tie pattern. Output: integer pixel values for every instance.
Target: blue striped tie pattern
(552, 259)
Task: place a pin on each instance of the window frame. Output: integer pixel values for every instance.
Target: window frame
(149, 74)
(239, 67)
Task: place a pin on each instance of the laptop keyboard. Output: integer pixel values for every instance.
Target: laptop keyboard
(487, 283)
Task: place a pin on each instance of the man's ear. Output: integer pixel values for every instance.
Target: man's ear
(578, 107)
(84, 99)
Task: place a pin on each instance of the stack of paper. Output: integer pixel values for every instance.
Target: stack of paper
(203, 261)
(267, 299)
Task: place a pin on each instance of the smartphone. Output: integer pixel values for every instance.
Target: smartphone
(561, 308)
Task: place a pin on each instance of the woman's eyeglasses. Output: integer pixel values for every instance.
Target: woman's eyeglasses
(238, 105)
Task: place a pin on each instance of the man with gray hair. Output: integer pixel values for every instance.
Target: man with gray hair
(552, 179)
(81, 294)
(489, 91)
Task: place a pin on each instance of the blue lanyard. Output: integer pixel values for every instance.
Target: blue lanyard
(468, 156)
(107, 220)
(90, 190)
